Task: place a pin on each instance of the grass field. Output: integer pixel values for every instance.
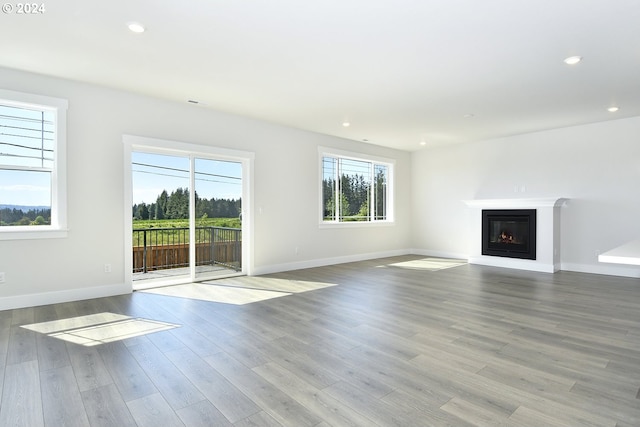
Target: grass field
(139, 224)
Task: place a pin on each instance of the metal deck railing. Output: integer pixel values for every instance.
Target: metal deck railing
(165, 248)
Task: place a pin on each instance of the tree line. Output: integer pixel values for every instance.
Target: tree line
(15, 216)
(354, 196)
(176, 206)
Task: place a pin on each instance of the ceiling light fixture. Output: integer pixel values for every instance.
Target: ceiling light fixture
(572, 60)
(423, 142)
(136, 27)
(612, 109)
(346, 124)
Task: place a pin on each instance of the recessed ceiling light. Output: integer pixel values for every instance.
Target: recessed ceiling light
(423, 142)
(136, 27)
(612, 109)
(346, 124)
(572, 60)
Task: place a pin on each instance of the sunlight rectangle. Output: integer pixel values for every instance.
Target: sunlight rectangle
(99, 328)
(240, 290)
(217, 293)
(431, 264)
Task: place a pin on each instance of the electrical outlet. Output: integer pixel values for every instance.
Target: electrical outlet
(2, 277)
(107, 268)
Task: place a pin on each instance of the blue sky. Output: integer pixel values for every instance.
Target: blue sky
(27, 142)
(214, 178)
(25, 189)
(152, 173)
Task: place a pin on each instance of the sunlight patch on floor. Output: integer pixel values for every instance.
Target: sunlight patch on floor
(99, 328)
(431, 264)
(239, 290)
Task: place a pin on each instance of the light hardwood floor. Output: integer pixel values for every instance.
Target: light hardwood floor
(391, 343)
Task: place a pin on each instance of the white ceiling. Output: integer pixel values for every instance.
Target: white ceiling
(400, 71)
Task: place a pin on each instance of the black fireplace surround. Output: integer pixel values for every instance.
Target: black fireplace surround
(509, 233)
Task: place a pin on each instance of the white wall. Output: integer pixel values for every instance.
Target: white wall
(286, 190)
(596, 166)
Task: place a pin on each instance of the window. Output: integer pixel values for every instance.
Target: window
(355, 189)
(32, 166)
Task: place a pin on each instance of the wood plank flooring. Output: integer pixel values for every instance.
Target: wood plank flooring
(393, 343)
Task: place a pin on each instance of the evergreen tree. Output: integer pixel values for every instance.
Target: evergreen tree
(380, 188)
(328, 188)
(364, 209)
(142, 212)
(161, 205)
(176, 206)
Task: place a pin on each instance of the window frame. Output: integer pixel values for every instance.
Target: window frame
(58, 227)
(373, 161)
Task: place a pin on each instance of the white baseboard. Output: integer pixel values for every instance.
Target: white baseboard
(605, 269)
(277, 268)
(45, 298)
(67, 295)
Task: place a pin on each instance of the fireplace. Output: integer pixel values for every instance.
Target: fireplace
(509, 233)
(543, 240)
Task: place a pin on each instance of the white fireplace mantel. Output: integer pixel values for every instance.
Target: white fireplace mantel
(547, 233)
(516, 203)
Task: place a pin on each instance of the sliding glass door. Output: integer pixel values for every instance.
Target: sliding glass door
(217, 216)
(186, 217)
